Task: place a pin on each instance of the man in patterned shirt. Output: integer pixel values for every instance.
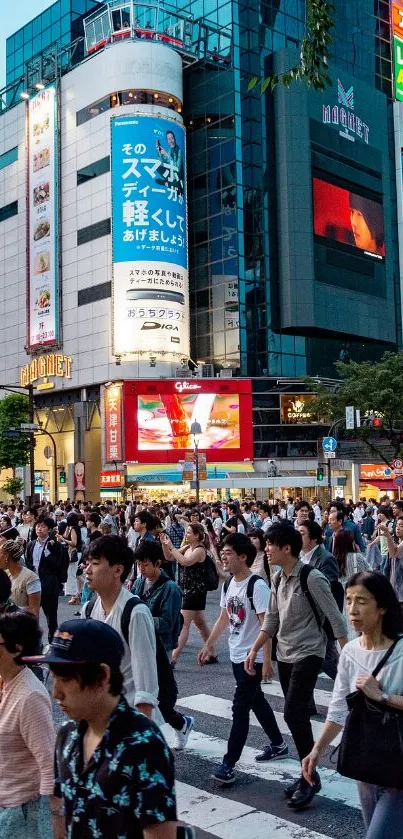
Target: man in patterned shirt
(114, 771)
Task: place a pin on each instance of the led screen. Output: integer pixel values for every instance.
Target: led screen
(348, 218)
(164, 421)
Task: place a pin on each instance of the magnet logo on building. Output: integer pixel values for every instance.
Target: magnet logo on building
(46, 367)
(351, 125)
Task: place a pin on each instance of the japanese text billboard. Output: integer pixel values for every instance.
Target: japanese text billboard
(113, 423)
(159, 416)
(149, 236)
(397, 33)
(43, 271)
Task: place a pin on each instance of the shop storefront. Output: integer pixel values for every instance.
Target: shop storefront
(378, 480)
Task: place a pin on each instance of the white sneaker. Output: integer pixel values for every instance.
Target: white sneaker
(182, 736)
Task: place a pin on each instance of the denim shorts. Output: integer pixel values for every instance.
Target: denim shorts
(28, 821)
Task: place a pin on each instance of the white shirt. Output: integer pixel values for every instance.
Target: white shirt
(217, 524)
(354, 661)
(37, 553)
(243, 621)
(138, 666)
(266, 523)
(306, 558)
(317, 513)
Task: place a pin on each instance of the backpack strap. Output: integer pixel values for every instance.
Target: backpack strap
(386, 657)
(250, 589)
(303, 578)
(226, 584)
(89, 606)
(126, 615)
(276, 581)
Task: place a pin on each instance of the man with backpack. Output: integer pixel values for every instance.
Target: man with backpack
(50, 561)
(299, 602)
(243, 605)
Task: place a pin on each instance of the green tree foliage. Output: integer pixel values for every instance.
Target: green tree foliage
(374, 389)
(313, 67)
(13, 486)
(13, 411)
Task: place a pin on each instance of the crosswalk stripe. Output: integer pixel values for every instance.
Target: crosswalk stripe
(225, 818)
(213, 749)
(222, 708)
(322, 697)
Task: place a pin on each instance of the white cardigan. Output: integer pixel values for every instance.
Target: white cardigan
(355, 661)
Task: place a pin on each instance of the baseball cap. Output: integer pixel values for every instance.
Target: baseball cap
(83, 642)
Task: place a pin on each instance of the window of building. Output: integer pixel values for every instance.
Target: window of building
(93, 231)
(8, 211)
(8, 157)
(87, 173)
(94, 293)
(127, 97)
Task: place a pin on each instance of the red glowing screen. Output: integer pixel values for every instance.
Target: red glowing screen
(159, 415)
(347, 217)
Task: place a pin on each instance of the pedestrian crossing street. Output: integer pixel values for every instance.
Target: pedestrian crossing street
(213, 810)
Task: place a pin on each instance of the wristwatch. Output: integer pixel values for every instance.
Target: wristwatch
(385, 697)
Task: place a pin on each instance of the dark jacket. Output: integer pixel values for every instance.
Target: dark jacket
(49, 563)
(347, 525)
(164, 599)
(325, 562)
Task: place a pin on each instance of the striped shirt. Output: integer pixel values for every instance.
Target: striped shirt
(27, 741)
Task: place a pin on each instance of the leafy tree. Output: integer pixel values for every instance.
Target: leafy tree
(313, 67)
(376, 389)
(13, 486)
(14, 451)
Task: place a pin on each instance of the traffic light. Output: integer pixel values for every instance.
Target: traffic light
(372, 421)
(319, 473)
(62, 478)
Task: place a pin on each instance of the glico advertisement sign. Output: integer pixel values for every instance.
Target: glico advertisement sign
(159, 416)
(43, 270)
(149, 236)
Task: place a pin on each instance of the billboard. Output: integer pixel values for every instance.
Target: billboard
(113, 423)
(348, 218)
(43, 267)
(397, 34)
(159, 415)
(149, 236)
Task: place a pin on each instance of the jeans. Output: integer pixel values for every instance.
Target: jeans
(249, 697)
(331, 661)
(297, 683)
(382, 811)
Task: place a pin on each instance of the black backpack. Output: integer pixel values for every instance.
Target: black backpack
(168, 689)
(211, 578)
(249, 589)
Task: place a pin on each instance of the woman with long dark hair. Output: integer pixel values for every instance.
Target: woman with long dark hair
(71, 539)
(350, 561)
(374, 611)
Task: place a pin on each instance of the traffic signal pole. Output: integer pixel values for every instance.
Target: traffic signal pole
(329, 479)
(31, 419)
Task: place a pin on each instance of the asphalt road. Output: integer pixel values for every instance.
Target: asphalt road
(255, 806)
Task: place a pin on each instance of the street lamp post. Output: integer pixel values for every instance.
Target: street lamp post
(196, 430)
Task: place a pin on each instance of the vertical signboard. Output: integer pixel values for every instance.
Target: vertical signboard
(149, 236)
(397, 33)
(113, 423)
(43, 267)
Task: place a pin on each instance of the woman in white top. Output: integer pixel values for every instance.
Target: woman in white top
(259, 564)
(374, 611)
(25, 584)
(350, 561)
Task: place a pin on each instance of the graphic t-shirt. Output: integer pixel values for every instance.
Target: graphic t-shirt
(244, 622)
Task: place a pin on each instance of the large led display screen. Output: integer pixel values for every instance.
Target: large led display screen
(343, 216)
(159, 417)
(149, 236)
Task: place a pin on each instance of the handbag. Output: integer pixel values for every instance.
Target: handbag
(371, 748)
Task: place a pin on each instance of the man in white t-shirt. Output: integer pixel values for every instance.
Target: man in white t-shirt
(244, 620)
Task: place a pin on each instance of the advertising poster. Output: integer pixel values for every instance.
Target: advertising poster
(113, 423)
(149, 236)
(79, 476)
(43, 279)
(345, 216)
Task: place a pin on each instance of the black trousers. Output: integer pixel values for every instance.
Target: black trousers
(172, 717)
(249, 697)
(297, 683)
(49, 603)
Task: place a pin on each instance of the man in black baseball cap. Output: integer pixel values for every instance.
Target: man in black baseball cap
(115, 774)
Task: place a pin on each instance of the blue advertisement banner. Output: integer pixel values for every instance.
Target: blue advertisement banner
(149, 235)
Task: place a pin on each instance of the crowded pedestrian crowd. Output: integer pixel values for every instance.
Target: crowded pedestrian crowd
(304, 589)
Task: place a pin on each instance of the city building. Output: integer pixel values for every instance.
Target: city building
(143, 292)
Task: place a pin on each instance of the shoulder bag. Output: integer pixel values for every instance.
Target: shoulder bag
(371, 748)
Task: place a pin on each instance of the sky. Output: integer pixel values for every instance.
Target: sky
(13, 16)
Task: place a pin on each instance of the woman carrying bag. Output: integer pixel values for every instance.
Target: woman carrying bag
(367, 702)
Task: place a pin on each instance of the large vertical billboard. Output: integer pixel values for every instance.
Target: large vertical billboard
(43, 260)
(397, 34)
(159, 414)
(149, 236)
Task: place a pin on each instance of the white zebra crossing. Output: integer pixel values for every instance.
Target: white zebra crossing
(322, 697)
(222, 708)
(225, 818)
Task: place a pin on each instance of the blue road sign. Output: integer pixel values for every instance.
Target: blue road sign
(398, 482)
(329, 444)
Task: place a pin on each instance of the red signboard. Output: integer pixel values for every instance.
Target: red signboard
(159, 416)
(110, 480)
(113, 423)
